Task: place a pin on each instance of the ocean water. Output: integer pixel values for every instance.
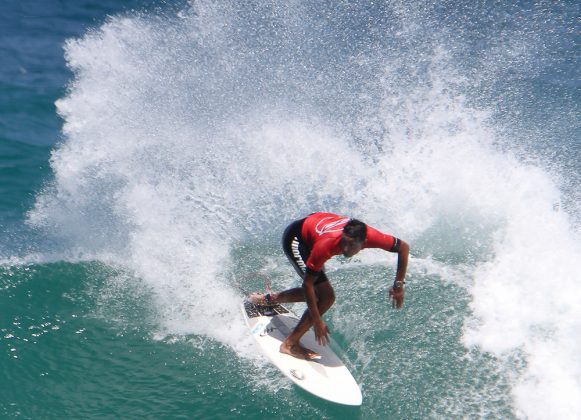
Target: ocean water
(152, 153)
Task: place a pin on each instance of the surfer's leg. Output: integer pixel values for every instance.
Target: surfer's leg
(292, 346)
(295, 294)
(297, 253)
(287, 296)
(325, 297)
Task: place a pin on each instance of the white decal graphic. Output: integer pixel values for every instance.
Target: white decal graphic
(297, 254)
(335, 226)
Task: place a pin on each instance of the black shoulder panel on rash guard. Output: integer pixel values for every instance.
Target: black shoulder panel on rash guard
(395, 247)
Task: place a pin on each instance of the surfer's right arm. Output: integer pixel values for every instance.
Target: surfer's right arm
(321, 330)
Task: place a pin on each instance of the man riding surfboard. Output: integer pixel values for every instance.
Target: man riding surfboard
(309, 243)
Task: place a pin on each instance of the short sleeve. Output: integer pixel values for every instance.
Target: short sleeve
(377, 239)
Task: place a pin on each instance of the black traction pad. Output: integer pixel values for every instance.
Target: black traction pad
(254, 311)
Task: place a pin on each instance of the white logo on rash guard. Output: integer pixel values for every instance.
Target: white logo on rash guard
(297, 253)
(335, 226)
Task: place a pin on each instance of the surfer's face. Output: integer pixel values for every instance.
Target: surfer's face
(350, 246)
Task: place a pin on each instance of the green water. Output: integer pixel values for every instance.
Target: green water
(67, 348)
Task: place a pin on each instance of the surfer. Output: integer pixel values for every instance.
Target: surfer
(309, 243)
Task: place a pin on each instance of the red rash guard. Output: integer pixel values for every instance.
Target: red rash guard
(322, 234)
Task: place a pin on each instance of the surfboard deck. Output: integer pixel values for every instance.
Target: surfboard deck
(327, 378)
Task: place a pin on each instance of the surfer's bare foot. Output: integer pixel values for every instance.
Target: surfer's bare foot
(261, 299)
(298, 351)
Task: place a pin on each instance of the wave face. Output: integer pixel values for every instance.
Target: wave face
(193, 136)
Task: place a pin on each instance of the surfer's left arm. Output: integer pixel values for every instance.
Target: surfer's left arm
(389, 243)
(396, 292)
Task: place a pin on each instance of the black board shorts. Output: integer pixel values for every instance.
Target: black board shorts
(297, 251)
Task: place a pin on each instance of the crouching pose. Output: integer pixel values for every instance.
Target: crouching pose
(309, 243)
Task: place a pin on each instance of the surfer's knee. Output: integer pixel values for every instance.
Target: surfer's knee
(329, 299)
(326, 298)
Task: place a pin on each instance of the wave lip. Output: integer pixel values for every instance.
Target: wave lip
(187, 136)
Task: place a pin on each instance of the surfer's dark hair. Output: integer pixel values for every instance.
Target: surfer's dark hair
(356, 229)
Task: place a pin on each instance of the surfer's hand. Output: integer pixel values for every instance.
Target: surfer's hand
(321, 332)
(396, 296)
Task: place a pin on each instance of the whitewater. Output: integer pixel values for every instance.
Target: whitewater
(194, 134)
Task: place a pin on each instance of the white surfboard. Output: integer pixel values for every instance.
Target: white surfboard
(327, 377)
